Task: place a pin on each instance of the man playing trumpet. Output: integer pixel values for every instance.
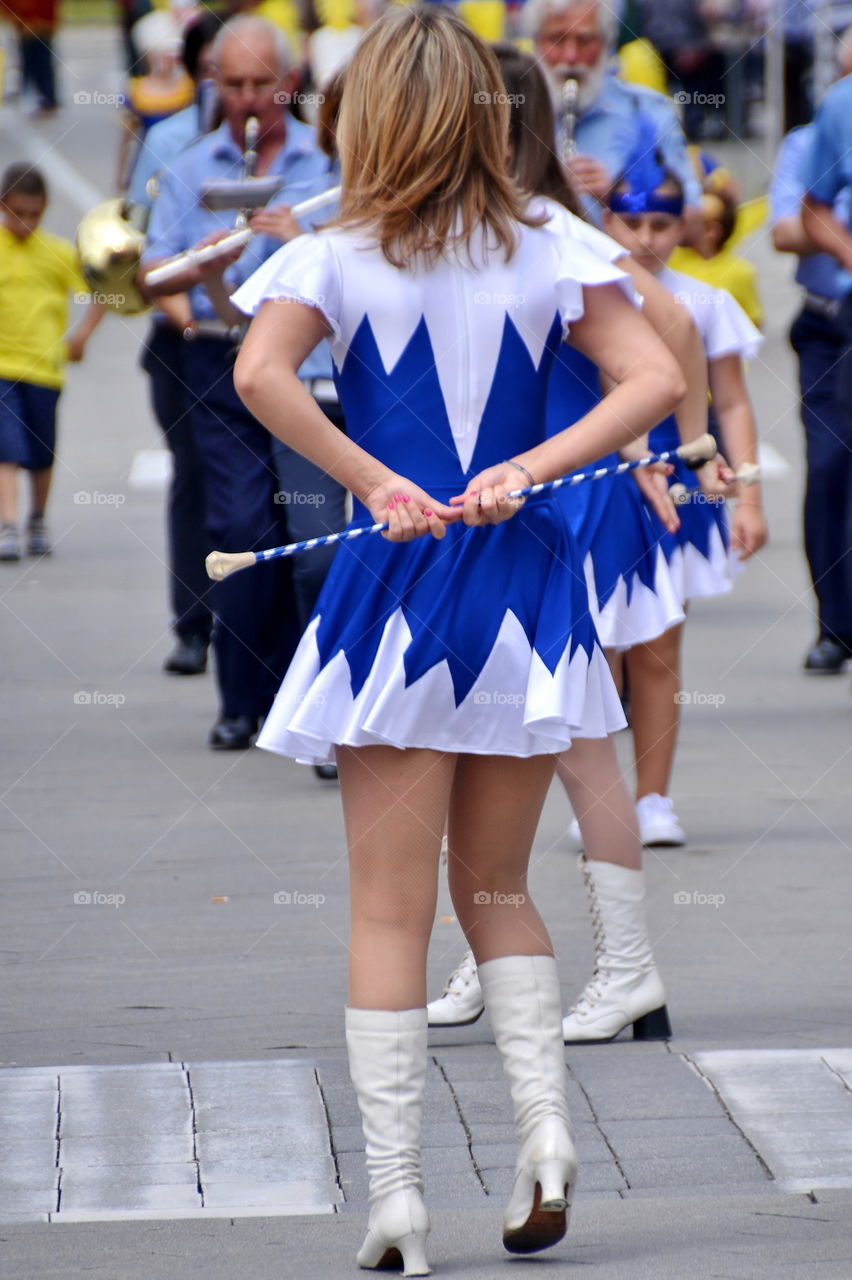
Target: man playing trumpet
(252, 495)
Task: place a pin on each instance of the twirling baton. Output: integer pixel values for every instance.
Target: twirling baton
(221, 564)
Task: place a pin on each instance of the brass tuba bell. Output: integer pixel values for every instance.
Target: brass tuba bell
(110, 246)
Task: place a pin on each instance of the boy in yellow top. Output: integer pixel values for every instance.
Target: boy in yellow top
(37, 272)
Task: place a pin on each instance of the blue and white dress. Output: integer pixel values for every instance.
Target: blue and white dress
(632, 596)
(483, 642)
(699, 554)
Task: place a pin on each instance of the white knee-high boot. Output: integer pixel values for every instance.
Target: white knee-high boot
(387, 1063)
(625, 987)
(523, 1002)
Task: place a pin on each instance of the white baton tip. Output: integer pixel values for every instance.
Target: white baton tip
(220, 564)
(749, 473)
(679, 494)
(703, 449)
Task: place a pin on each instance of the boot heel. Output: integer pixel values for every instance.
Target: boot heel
(413, 1250)
(555, 1179)
(653, 1026)
(407, 1255)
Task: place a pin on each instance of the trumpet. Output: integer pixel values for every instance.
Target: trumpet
(173, 267)
(570, 94)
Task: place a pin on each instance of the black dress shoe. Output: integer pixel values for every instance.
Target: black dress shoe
(233, 733)
(828, 657)
(326, 772)
(188, 658)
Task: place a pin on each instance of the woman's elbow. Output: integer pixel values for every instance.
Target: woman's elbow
(669, 382)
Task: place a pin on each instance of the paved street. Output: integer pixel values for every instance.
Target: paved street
(174, 1098)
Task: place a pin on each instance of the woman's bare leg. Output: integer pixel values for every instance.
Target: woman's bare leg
(394, 806)
(603, 806)
(495, 807)
(655, 679)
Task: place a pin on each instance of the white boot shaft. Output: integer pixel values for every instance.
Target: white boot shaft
(523, 1001)
(387, 1064)
(625, 987)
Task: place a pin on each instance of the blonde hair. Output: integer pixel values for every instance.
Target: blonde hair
(424, 139)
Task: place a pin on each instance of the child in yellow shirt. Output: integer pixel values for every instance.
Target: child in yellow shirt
(37, 272)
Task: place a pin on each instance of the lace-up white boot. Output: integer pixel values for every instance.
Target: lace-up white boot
(625, 986)
(387, 1063)
(462, 1001)
(523, 1001)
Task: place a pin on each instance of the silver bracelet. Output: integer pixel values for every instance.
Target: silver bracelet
(509, 463)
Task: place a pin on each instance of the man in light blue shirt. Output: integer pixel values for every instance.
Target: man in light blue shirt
(574, 39)
(257, 619)
(819, 341)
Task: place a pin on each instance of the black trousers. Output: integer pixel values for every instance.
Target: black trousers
(187, 540)
(824, 348)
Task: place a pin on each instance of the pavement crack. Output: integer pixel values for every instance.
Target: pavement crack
(591, 1107)
(194, 1115)
(467, 1132)
(721, 1101)
(58, 1141)
(337, 1175)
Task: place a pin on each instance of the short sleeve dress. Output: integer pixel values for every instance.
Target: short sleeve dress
(699, 554)
(483, 642)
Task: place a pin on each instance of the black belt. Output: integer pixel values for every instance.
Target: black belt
(823, 306)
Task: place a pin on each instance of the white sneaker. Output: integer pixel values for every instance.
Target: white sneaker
(575, 836)
(658, 824)
(462, 1001)
(10, 542)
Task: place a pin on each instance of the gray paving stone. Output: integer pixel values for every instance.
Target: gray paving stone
(683, 1171)
(28, 1114)
(78, 1179)
(451, 1159)
(131, 1149)
(27, 1200)
(255, 1145)
(304, 1195)
(286, 1168)
(163, 1113)
(21, 1173)
(123, 1197)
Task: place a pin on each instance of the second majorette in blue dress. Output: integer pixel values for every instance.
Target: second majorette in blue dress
(482, 642)
(632, 596)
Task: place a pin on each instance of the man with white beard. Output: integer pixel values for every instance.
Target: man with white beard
(574, 40)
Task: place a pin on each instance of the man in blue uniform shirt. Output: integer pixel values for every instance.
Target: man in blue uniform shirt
(818, 341)
(257, 620)
(574, 39)
(826, 177)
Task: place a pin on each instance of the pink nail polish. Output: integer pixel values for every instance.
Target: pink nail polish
(426, 512)
(405, 497)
